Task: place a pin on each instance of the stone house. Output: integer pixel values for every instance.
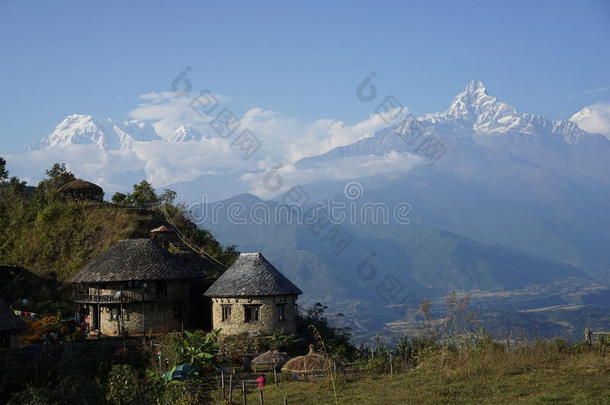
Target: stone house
(81, 190)
(10, 326)
(252, 296)
(137, 286)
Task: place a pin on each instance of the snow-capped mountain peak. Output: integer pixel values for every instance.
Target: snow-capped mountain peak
(185, 133)
(82, 129)
(472, 97)
(594, 118)
(475, 110)
(474, 105)
(77, 129)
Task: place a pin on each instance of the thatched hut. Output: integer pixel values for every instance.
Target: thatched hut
(10, 326)
(310, 364)
(270, 360)
(81, 190)
(252, 296)
(137, 286)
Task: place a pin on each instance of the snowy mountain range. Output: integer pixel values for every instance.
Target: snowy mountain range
(80, 129)
(77, 129)
(473, 111)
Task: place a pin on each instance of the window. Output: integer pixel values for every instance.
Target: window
(226, 313)
(281, 312)
(252, 313)
(114, 314)
(160, 288)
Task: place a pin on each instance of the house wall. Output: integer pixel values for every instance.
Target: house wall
(172, 314)
(141, 317)
(268, 319)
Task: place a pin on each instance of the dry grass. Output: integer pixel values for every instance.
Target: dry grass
(536, 374)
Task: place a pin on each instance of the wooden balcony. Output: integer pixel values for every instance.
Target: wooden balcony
(122, 297)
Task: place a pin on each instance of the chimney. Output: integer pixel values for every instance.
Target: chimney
(163, 235)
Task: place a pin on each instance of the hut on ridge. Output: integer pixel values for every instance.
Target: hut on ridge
(81, 190)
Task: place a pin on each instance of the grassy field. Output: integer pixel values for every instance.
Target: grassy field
(530, 377)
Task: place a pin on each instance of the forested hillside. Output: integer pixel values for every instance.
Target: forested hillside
(50, 237)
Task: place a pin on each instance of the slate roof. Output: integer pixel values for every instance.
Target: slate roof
(252, 275)
(79, 185)
(135, 259)
(8, 320)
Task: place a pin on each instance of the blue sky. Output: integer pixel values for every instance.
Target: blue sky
(303, 59)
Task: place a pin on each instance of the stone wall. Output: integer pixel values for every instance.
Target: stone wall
(268, 317)
(143, 317)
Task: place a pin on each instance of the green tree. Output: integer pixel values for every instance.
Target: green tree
(119, 198)
(315, 324)
(3, 171)
(168, 197)
(57, 176)
(143, 196)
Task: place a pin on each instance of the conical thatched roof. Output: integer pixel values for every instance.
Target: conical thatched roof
(272, 357)
(8, 320)
(252, 275)
(80, 186)
(308, 364)
(135, 259)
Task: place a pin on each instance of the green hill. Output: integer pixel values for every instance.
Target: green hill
(60, 238)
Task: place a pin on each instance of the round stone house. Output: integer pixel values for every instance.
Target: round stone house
(81, 190)
(252, 296)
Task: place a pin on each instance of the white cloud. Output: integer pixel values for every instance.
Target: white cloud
(594, 118)
(598, 90)
(354, 167)
(284, 140)
(168, 110)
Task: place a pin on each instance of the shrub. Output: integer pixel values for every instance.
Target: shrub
(33, 396)
(123, 384)
(195, 348)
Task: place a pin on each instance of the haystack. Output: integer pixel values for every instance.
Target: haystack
(271, 358)
(311, 363)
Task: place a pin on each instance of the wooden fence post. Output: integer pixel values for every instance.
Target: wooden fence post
(261, 400)
(243, 392)
(275, 375)
(222, 382)
(285, 401)
(391, 366)
(231, 388)
(588, 338)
